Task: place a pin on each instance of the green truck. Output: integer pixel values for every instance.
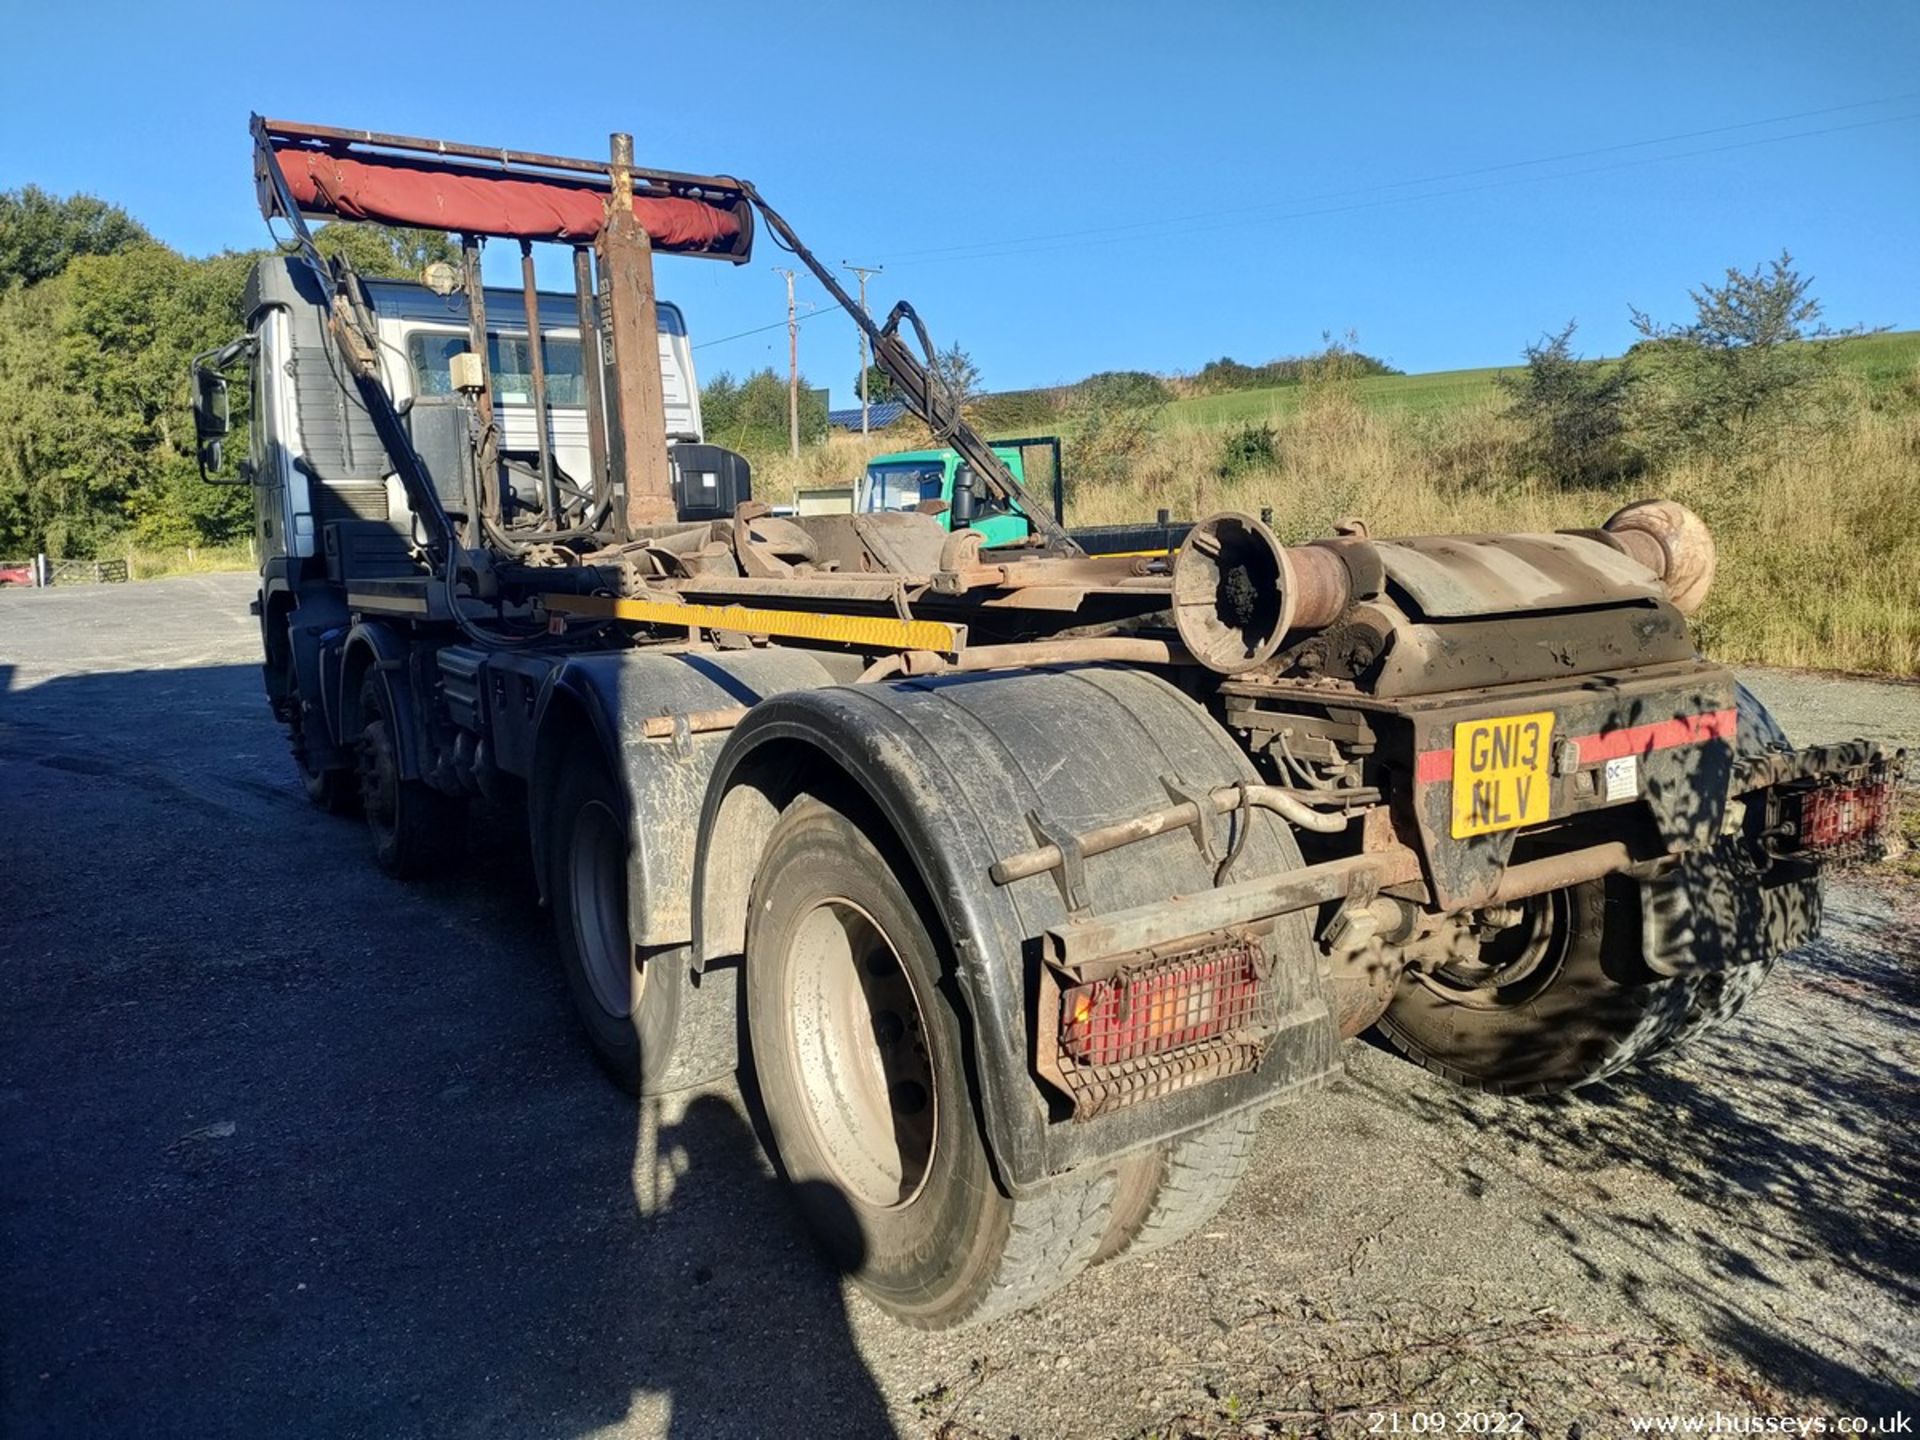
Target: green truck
(908, 479)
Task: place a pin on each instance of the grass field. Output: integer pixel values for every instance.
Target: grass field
(149, 564)
(1880, 360)
(1432, 393)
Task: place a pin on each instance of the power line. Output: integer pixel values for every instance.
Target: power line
(760, 329)
(1025, 245)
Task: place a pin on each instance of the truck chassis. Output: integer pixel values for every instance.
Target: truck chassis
(1029, 878)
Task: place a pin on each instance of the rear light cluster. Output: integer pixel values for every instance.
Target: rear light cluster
(1844, 818)
(1173, 1003)
(1163, 1024)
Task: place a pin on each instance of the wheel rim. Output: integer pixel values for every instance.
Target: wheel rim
(859, 1044)
(1516, 964)
(597, 889)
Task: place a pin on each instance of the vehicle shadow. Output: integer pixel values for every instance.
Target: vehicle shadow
(291, 1148)
(1785, 1138)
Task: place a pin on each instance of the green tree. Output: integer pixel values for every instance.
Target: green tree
(1754, 358)
(880, 386)
(751, 415)
(95, 427)
(1575, 412)
(956, 374)
(392, 252)
(1226, 373)
(41, 233)
(1123, 387)
(34, 415)
(1109, 420)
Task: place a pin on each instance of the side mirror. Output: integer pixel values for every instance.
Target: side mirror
(965, 501)
(211, 420)
(210, 417)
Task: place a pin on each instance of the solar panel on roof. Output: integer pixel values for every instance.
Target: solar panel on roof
(880, 414)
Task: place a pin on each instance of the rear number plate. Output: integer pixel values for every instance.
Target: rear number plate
(1500, 773)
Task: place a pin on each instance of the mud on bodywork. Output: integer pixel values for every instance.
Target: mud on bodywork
(959, 769)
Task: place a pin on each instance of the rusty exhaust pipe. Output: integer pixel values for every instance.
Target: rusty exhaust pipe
(1237, 591)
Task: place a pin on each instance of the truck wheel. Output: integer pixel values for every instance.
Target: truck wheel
(412, 824)
(336, 791)
(860, 1054)
(1169, 1191)
(1565, 998)
(630, 1012)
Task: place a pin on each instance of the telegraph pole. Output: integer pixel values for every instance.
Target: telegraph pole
(866, 361)
(793, 367)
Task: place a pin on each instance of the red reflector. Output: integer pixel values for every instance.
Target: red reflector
(1845, 814)
(1129, 1016)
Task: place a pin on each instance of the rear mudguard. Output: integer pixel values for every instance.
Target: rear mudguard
(1726, 906)
(614, 694)
(956, 767)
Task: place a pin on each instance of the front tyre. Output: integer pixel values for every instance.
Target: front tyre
(335, 790)
(412, 825)
(859, 1050)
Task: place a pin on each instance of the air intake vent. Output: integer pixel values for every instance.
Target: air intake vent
(349, 500)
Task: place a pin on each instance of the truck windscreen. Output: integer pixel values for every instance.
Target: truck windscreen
(901, 487)
(509, 362)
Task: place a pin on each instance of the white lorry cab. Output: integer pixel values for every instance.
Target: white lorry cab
(315, 457)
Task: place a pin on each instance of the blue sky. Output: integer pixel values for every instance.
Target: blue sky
(1074, 187)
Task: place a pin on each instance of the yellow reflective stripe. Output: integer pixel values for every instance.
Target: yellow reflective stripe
(872, 632)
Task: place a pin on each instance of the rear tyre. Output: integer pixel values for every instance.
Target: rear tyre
(630, 1013)
(413, 826)
(1562, 1006)
(1567, 997)
(1169, 1191)
(860, 1054)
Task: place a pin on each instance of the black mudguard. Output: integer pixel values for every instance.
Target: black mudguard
(956, 766)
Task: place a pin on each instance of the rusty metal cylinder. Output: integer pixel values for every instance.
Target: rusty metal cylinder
(1237, 591)
(1324, 586)
(1672, 542)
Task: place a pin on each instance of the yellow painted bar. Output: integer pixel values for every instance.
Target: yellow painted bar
(872, 632)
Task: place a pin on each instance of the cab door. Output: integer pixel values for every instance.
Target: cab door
(266, 445)
(997, 524)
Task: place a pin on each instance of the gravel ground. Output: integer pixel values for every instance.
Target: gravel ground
(288, 1148)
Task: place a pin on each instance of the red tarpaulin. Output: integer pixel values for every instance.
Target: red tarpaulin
(396, 191)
